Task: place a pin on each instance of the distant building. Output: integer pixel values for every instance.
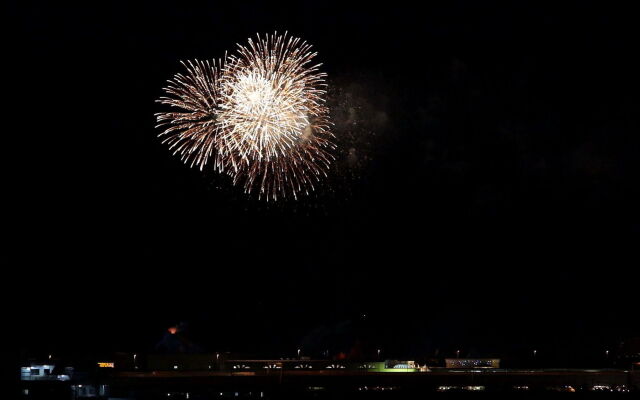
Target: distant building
(472, 362)
(629, 353)
(43, 372)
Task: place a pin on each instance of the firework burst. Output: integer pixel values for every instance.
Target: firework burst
(192, 132)
(260, 115)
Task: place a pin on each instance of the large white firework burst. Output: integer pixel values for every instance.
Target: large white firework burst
(261, 114)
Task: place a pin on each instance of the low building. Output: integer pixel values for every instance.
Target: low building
(466, 363)
(43, 372)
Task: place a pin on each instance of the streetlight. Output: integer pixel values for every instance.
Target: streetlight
(378, 354)
(298, 353)
(457, 353)
(135, 364)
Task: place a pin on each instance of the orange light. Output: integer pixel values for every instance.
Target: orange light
(173, 330)
(106, 365)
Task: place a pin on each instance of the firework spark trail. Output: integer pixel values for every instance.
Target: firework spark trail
(261, 115)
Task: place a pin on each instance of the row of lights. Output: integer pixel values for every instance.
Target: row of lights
(135, 356)
(535, 353)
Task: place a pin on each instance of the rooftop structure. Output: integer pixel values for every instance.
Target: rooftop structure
(472, 363)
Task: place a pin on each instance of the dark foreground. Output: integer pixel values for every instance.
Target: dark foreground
(320, 395)
(517, 384)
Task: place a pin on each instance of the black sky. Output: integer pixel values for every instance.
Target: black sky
(485, 194)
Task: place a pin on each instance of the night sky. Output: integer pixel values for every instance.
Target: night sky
(485, 194)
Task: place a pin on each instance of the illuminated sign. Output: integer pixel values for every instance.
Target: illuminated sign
(106, 365)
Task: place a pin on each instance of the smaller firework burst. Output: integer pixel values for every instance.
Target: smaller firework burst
(191, 132)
